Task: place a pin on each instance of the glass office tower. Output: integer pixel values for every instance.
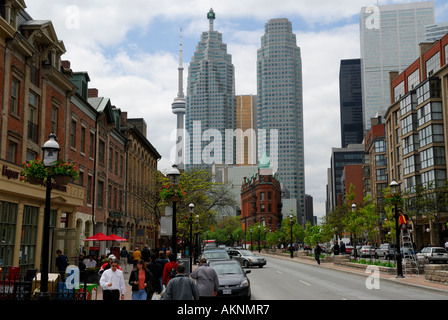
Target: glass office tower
(280, 106)
(390, 37)
(211, 102)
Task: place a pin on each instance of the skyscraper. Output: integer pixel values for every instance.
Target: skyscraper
(350, 96)
(211, 104)
(280, 105)
(390, 37)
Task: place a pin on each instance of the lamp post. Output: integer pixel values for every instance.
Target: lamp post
(259, 239)
(50, 155)
(191, 206)
(394, 190)
(198, 247)
(291, 217)
(251, 244)
(174, 177)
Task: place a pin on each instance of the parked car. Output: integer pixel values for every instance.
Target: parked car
(233, 281)
(433, 254)
(217, 254)
(348, 249)
(247, 258)
(367, 251)
(357, 250)
(386, 250)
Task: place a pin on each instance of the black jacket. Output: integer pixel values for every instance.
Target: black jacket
(149, 280)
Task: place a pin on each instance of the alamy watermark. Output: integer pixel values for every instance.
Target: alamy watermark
(233, 146)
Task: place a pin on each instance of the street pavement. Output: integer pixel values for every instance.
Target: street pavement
(410, 280)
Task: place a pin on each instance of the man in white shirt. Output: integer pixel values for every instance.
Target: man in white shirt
(112, 282)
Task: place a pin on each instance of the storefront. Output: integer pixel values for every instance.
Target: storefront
(21, 219)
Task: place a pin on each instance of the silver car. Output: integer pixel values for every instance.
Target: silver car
(433, 254)
(247, 258)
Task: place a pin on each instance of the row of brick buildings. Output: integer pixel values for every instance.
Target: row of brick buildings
(409, 143)
(41, 94)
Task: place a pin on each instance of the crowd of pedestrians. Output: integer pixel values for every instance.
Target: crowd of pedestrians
(156, 276)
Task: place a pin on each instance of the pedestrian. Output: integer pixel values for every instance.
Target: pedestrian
(206, 280)
(336, 248)
(162, 260)
(112, 282)
(91, 263)
(169, 269)
(107, 264)
(136, 256)
(342, 247)
(124, 257)
(141, 281)
(446, 245)
(157, 272)
(317, 252)
(61, 263)
(146, 253)
(181, 287)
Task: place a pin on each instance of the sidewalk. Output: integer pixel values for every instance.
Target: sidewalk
(410, 280)
(128, 293)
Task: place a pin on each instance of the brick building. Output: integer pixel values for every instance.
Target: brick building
(261, 200)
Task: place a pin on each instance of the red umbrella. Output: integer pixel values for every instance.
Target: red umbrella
(99, 237)
(117, 238)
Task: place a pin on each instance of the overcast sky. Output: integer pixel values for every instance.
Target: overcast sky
(131, 49)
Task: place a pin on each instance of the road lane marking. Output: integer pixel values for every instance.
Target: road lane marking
(305, 283)
(279, 272)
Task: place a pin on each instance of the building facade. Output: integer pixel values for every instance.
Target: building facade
(42, 95)
(390, 36)
(210, 103)
(280, 107)
(416, 136)
(350, 97)
(246, 121)
(261, 200)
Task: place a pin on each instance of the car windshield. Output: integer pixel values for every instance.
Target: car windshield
(216, 255)
(224, 268)
(246, 253)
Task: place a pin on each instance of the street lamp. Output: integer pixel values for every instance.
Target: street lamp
(291, 217)
(259, 239)
(395, 190)
(251, 244)
(174, 177)
(50, 156)
(191, 206)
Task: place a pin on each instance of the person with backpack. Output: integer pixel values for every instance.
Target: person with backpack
(169, 270)
(181, 287)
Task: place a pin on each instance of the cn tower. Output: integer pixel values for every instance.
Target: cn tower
(178, 107)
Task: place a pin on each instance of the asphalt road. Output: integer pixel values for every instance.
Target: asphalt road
(287, 280)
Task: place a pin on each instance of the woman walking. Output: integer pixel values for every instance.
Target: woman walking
(140, 280)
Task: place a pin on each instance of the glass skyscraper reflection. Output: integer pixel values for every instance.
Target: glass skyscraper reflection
(390, 37)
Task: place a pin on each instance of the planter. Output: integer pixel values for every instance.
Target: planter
(62, 180)
(35, 180)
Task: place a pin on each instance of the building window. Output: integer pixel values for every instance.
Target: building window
(100, 193)
(89, 189)
(116, 162)
(54, 120)
(410, 165)
(83, 140)
(33, 131)
(431, 133)
(433, 179)
(12, 151)
(430, 89)
(8, 221)
(430, 111)
(111, 153)
(29, 237)
(15, 85)
(381, 174)
(414, 79)
(380, 146)
(399, 91)
(380, 160)
(433, 64)
(408, 124)
(73, 134)
(432, 157)
(408, 103)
